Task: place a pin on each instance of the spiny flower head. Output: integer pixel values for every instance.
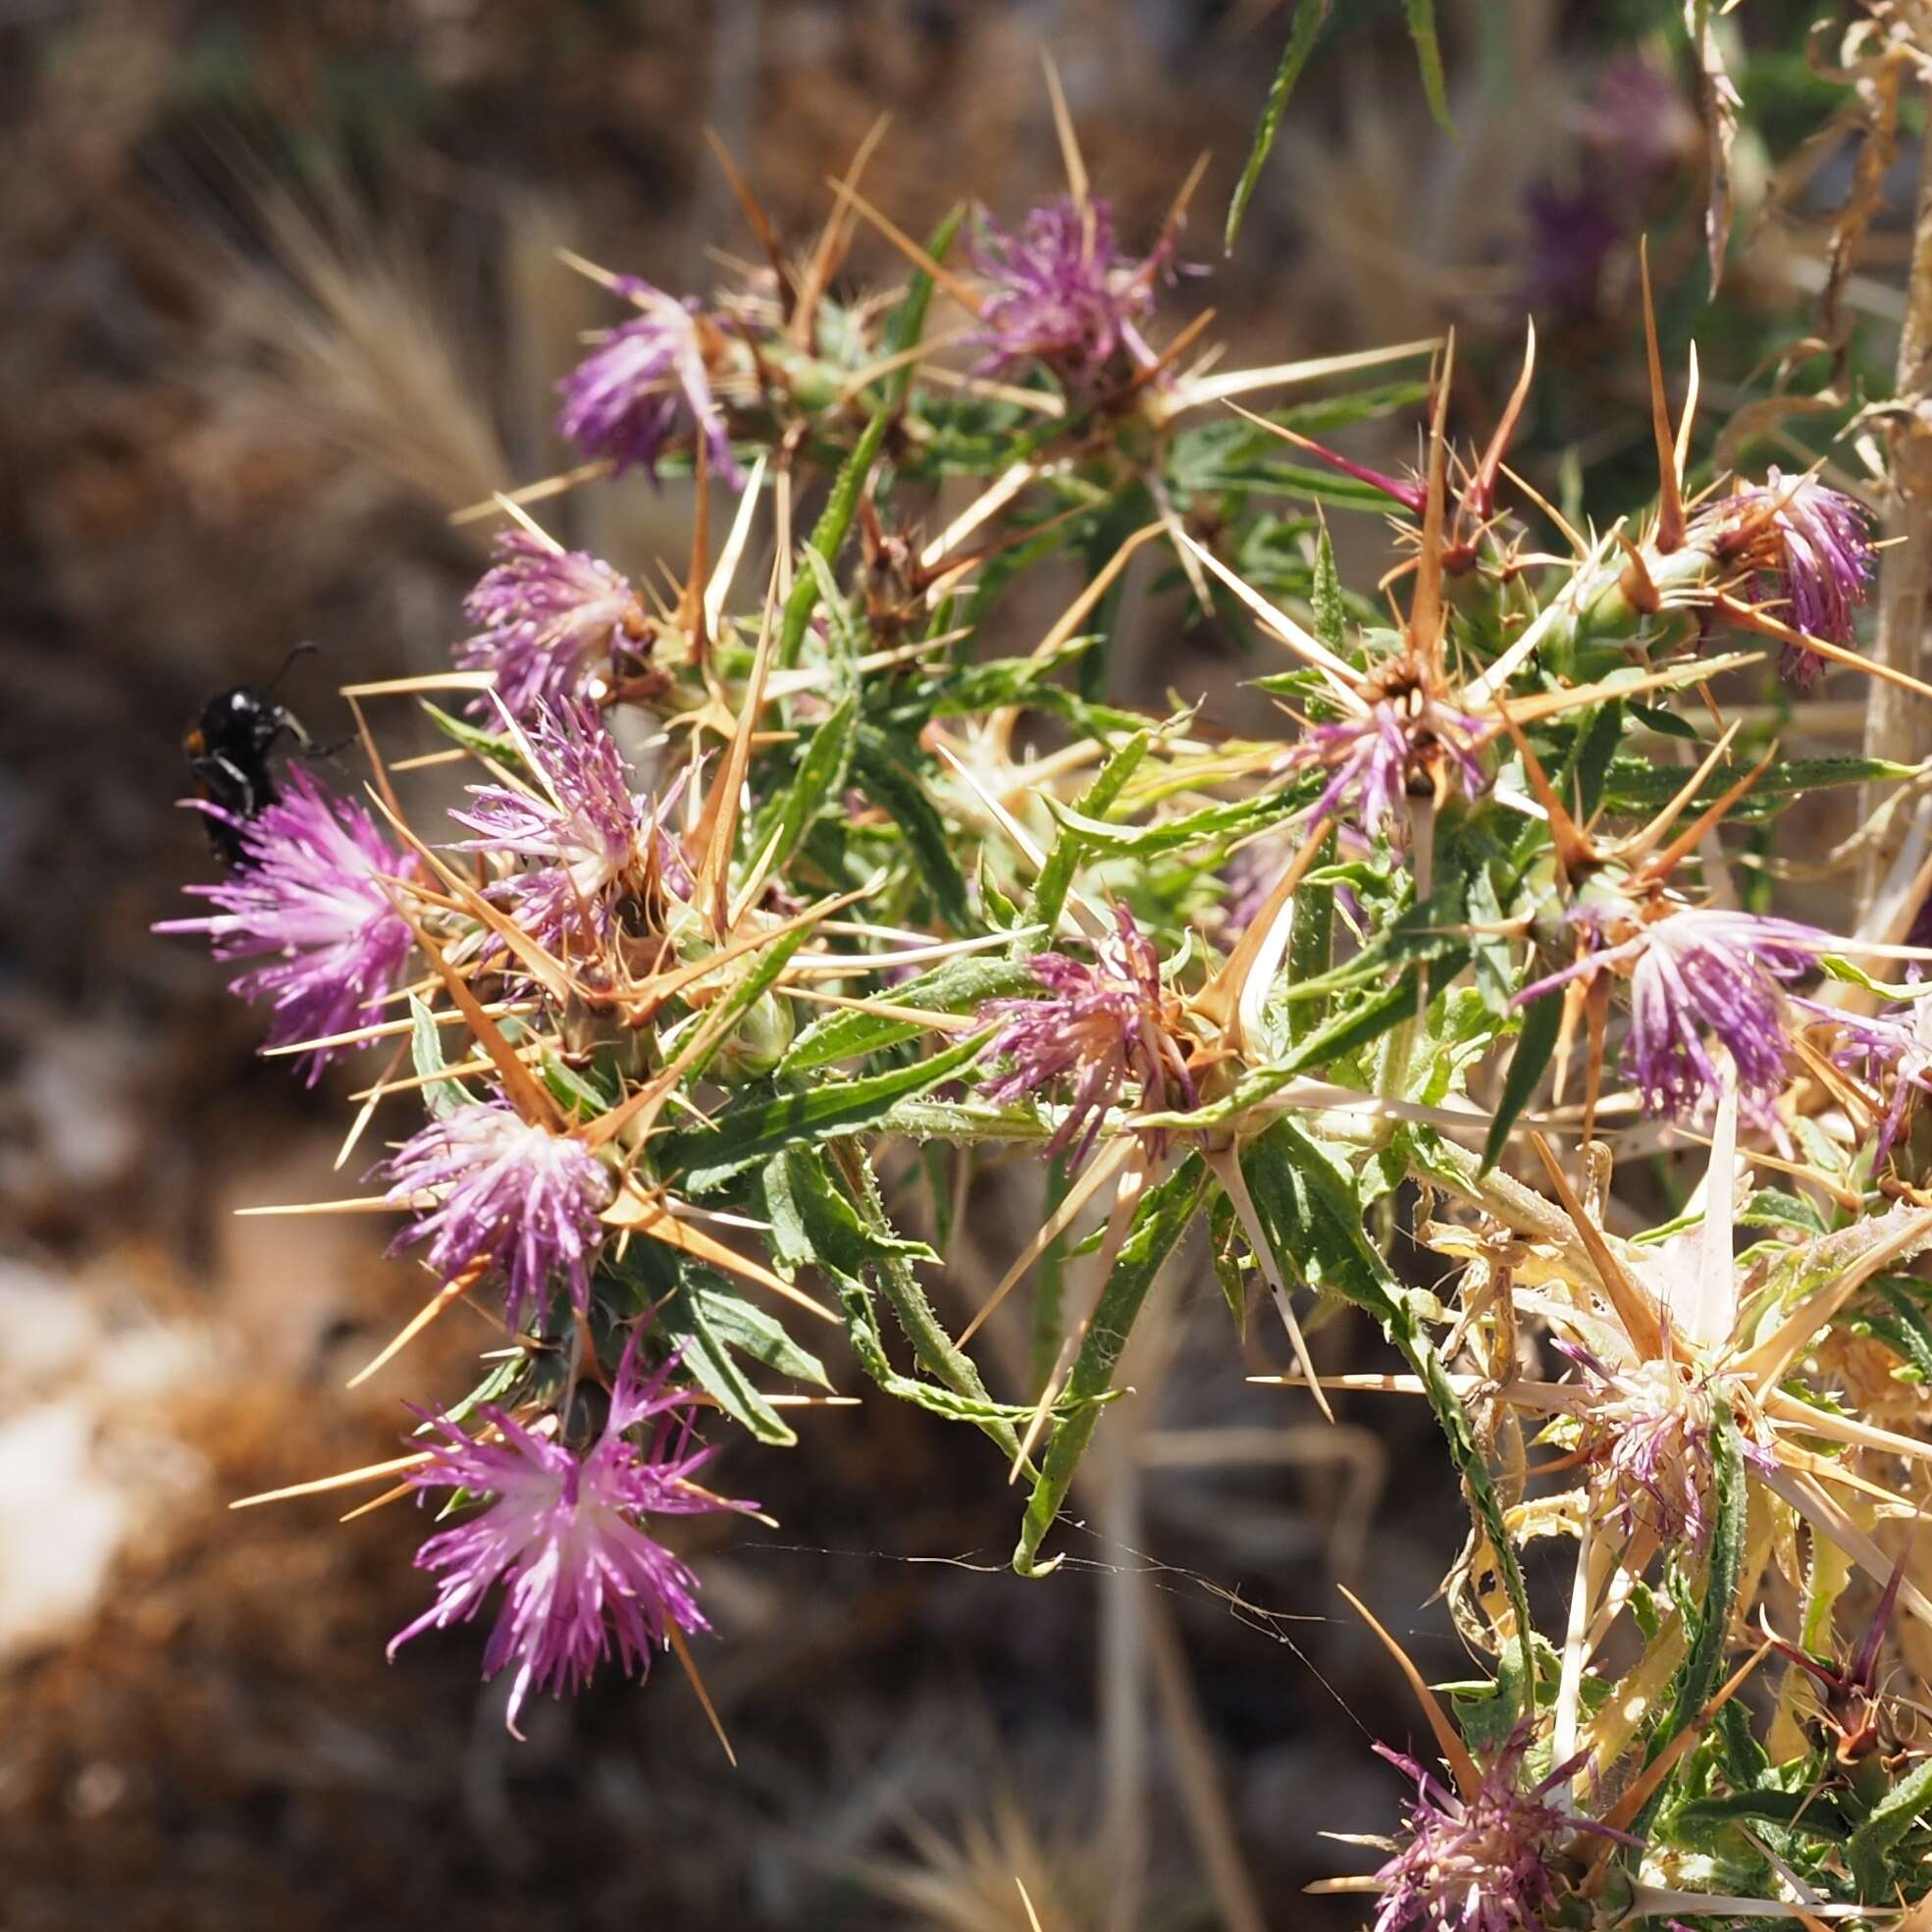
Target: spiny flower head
(311, 890)
(1481, 1863)
(1647, 1428)
(1696, 972)
(1098, 1025)
(648, 381)
(1371, 758)
(506, 1192)
(586, 832)
(1814, 546)
(565, 1535)
(1876, 1047)
(544, 616)
(1059, 291)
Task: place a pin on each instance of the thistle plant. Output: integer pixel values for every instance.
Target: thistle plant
(776, 905)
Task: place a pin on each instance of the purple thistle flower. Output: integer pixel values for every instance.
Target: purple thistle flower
(565, 1535)
(588, 831)
(1481, 1863)
(310, 889)
(1061, 294)
(646, 382)
(1370, 757)
(1813, 544)
(506, 1192)
(1568, 240)
(542, 615)
(1702, 971)
(1881, 1045)
(1099, 1024)
(1639, 123)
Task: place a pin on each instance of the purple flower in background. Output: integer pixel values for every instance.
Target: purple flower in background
(542, 614)
(646, 382)
(1059, 291)
(1370, 758)
(1481, 1863)
(506, 1192)
(586, 832)
(1568, 239)
(1814, 545)
(1879, 1046)
(1098, 1025)
(1699, 972)
(310, 890)
(565, 1536)
(1639, 122)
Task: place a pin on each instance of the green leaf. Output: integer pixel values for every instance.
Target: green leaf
(1309, 1212)
(1212, 821)
(1705, 1820)
(1429, 57)
(1063, 862)
(885, 776)
(491, 745)
(1331, 614)
(440, 1097)
(958, 987)
(1702, 1668)
(767, 964)
(706, 1330)
(829, 534)
(1309, 16)
(1158, 1222)
(818, 778)
(1771, 1208)
(760, 1124)
(1635, 786)
(1536, 1044)
(1888, 1821)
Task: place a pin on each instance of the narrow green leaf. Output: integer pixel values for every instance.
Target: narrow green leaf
(958, 987)
(760, 1124)
(440, 1097)
(1536, 1044)
(1063, 862)
(817, 780)
(1308, 19)
(1309, 1211)
(1888, 1821)
(705, 1352)
(884, 775)
(1158, 1222)
(1429, 57)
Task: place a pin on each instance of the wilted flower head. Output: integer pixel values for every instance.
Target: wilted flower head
(565, 1536)
(1059, 291)
(506, 1192)
(310, 890)
(1098, 1025)
(1481, 1864)
(646, 382)
(1647, 1428)
(1880, 1046)
(587, 831)
(1814, 546)
(543, 615)
(1698, 971)
(1370, 758)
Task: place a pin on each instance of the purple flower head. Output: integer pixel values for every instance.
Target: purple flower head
(543, 616)
(1098, 1025)
(1061, 294)
(1879, 1046)
(648, 381)
(506, 1193)
(565, 1535)
(1699, 972)
(1813, 547)
(1639, 122)
(1481, 1863)
(1567, 242)
(587, 832)
(310, 890)
(1370, 758)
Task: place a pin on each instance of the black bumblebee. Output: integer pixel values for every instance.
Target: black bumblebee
(227, 747)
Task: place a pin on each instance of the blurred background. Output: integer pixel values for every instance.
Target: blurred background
(282, 290)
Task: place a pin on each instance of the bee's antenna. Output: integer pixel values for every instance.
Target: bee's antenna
(302, 649)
